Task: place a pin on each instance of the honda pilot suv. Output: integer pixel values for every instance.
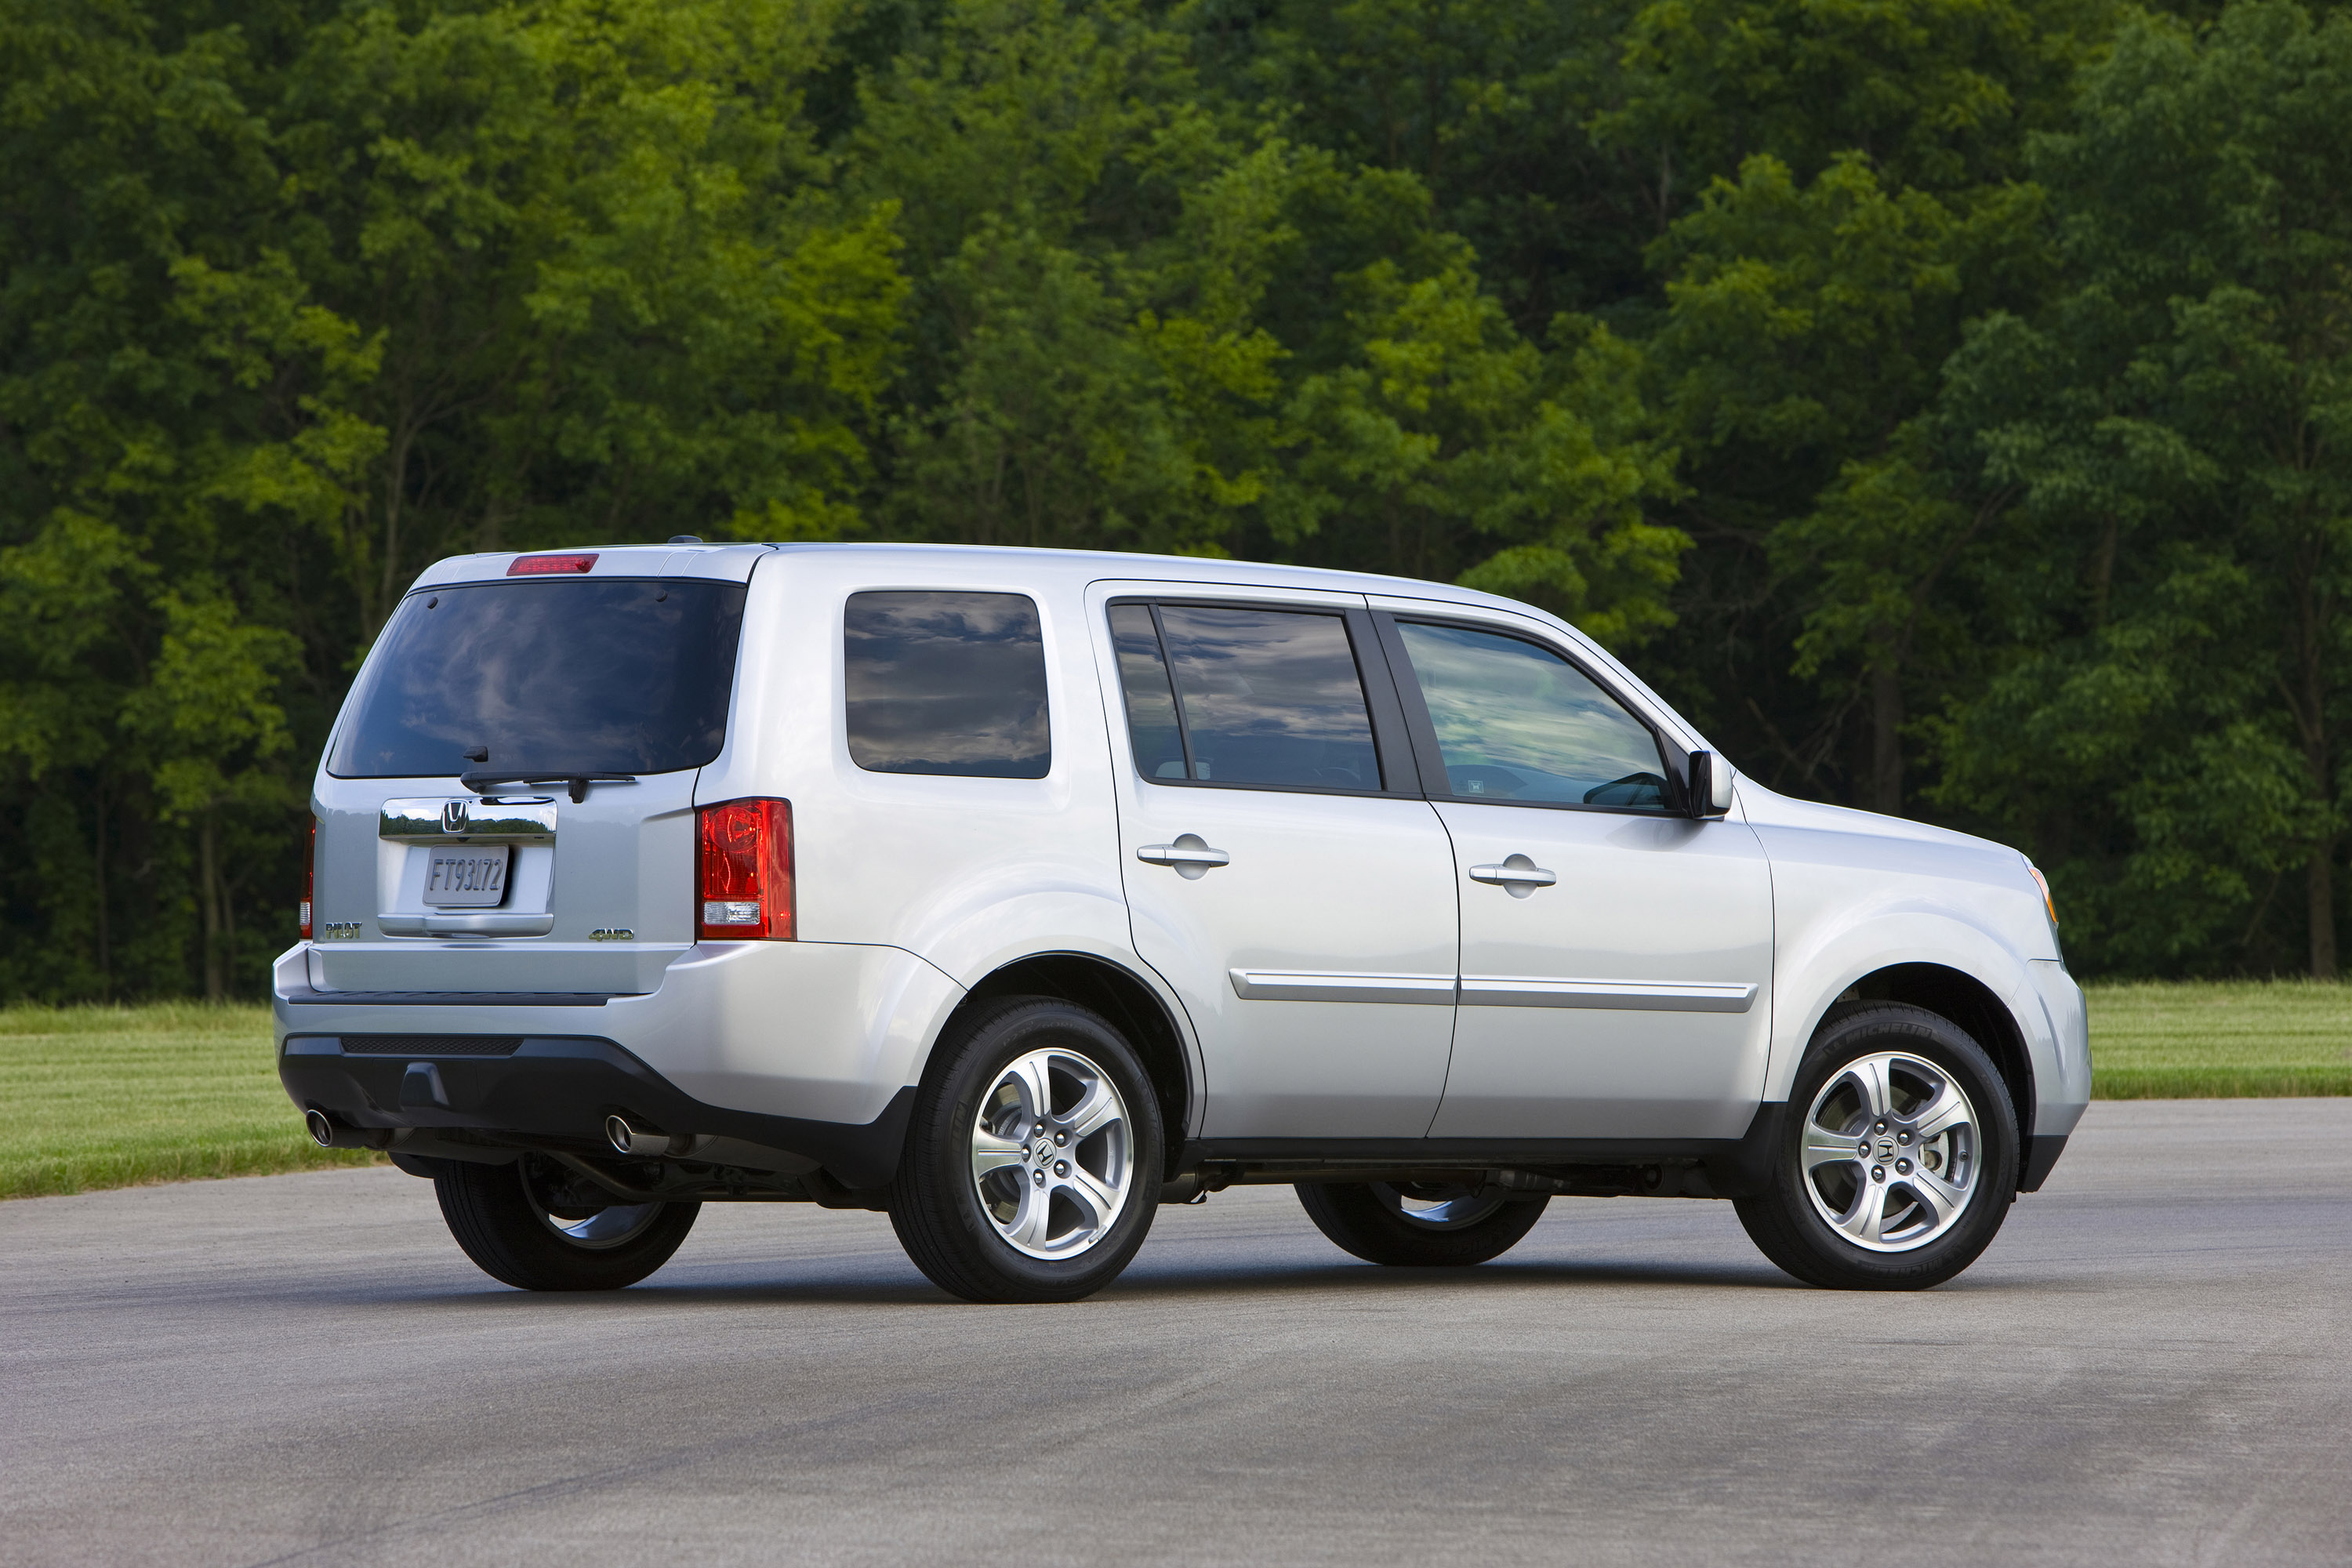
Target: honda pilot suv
(1015, 893)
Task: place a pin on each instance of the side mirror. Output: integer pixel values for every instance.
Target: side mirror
(1710, 785)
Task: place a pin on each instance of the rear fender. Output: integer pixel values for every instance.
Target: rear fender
(1048, 925)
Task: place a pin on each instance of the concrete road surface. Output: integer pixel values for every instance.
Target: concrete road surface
(2152, 1365)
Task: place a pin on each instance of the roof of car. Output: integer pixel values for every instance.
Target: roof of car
(734, 561)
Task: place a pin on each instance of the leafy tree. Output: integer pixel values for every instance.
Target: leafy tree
(1865, 202)
(1947, 392)
(292, 308)
(1147, 321)
(2177, 427)
(1489, 105)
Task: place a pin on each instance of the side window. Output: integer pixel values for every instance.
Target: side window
(1244, 696)
(1517, 722)
(946, 683)
(1150, 701)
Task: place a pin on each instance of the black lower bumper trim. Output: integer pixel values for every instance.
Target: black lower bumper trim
(2041, 1152)
(561, 1090)
(1735, 1167)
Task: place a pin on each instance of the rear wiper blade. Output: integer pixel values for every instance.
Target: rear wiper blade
(484, 782)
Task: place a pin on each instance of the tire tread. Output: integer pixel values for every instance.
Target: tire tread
(1780, 1220)
(927, 1203)
(1357, 1222)
(492, 1222)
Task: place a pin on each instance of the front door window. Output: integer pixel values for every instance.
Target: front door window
(1515, 721)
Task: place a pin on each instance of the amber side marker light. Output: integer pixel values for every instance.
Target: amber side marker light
(2042, 882)
(744, 854)
(548, 565)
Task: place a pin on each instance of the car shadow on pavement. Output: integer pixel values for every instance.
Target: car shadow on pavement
(861, 1288)
(1370, 1277)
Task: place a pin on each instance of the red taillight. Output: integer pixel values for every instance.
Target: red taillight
(309, 874)
(542, 565)
(745, 870)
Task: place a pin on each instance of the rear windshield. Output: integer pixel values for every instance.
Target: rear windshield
(563, 676)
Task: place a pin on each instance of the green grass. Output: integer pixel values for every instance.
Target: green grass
(2220, 1040)
(112, 1097)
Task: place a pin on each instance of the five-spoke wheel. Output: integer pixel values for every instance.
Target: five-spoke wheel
(1890, 1152)
(1051, 1159)
(1032, 1166)
(1900, 1167)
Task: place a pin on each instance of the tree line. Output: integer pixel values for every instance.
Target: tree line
(1943, 401)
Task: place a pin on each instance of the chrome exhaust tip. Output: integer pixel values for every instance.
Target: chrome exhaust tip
(329, 1134)
(627, 1138)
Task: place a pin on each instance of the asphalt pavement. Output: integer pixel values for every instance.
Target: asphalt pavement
(2152, 1364)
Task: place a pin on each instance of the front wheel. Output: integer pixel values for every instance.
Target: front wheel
(1032, 1167)
(1900, 1160)
(537, 1226)
(1419, 1224)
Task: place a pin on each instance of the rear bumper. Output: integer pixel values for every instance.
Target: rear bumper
(558, 1090)
(807, 1032)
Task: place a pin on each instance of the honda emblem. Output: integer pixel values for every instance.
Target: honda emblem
(454, 816)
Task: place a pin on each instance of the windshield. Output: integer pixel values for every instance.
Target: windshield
(547, 678)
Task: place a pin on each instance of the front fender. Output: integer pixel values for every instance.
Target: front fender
(1812, 971)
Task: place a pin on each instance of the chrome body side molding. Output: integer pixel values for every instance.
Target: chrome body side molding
(1285, 985)
(1629, 996)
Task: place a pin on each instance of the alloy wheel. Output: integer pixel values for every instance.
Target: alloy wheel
(1053, 1157)
(1891, 1153)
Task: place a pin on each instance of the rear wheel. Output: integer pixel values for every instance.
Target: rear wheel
(536, 1225)
(1032, 1167)
(1899, 1160)
(1419, 1224)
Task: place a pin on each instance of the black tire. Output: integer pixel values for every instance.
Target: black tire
(1372, 1223)
(505, 1217)
(936, 1202)
(1787, 1225)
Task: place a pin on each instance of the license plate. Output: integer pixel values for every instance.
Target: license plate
(473, 878)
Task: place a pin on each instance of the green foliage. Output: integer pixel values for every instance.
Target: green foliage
(1935, 94)
(1945, 396)
(117, 1097)
(2230, 1040)
(2173, 425)
(296, 304)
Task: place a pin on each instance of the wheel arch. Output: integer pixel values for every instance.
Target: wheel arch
(1130, 1003)
(1972, 1006)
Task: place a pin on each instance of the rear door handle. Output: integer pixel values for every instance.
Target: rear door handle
(1189, 855)
(1515, 873)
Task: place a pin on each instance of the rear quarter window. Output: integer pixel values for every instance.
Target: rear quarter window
(946, 682)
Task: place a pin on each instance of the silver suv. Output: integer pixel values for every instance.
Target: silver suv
(1015, 893)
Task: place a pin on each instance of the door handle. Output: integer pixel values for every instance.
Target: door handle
(1191, 858)
(1518, 876)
